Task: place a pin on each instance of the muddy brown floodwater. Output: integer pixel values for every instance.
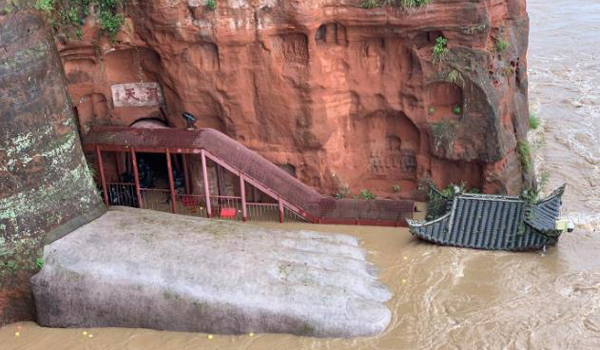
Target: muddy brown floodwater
(444, 298)
(449, 298)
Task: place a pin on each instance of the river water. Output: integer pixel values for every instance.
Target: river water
(448, 298)
(564, 76)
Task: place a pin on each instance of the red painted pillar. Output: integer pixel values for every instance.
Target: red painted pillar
(118, 164)
(136, 177)
(171, 182)
(206, 187)
(186, 175)
(280, 210)
(243, 194)
(101, 171)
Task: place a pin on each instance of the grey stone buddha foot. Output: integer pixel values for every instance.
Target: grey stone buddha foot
(139, 268)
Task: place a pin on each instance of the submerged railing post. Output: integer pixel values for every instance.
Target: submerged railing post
(243, 194)
(280, 203)
(171, 182)
(206, 187)
(136, 177)
(101, 171)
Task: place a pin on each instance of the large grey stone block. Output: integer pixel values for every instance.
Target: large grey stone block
(139, 268)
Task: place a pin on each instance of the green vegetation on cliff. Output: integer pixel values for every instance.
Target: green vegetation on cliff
(534, 121)
(524, 153)
(211, 5)
(68, 16)
(440, 49)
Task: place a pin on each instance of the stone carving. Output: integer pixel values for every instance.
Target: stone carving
(213, 276)
(291, 48)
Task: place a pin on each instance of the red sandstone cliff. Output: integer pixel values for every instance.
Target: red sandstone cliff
(339, 95)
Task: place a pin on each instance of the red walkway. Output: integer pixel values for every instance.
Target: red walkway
(288, 193)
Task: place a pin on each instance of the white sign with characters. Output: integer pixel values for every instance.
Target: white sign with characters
(137, 95)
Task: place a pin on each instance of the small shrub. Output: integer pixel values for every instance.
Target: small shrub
(524, 153)
(111, 23)
(396, 188)
(414, 3)
(501, 45)
(39, 263)
(440, 49)
(457, 110)
(530, 195)
(211, 5)
(369, 4)
(452, 76)
(508, 72)
(366, 194)
(46, 6)
(534, 121)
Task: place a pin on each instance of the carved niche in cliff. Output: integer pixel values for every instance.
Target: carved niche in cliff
(393, 144)
(444, 101)
(290, 48)
(131, 77)
(331, 34)
(93, 78)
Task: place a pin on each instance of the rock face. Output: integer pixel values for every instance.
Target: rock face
(139, 268)
(46, 188)
(340, 95)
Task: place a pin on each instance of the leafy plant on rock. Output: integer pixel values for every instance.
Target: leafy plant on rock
(524, 154)
(440, 49)
(365, 194)
(211, 5)
(39, 263)
(369, 4)
(502, 45)
(457, 110)
(534, 121)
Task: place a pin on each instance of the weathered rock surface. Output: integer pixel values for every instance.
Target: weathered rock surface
(339, 95)
(138, 268)
(46, 188)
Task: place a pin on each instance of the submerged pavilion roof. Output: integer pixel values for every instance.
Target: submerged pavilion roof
(494, 222)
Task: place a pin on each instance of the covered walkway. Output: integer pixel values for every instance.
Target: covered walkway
(209, 174)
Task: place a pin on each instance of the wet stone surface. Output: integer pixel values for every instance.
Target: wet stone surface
(146, 269)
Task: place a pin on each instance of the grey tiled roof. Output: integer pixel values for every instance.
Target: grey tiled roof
(494, 222)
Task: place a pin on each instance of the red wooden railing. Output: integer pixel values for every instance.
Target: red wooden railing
(206, 204)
